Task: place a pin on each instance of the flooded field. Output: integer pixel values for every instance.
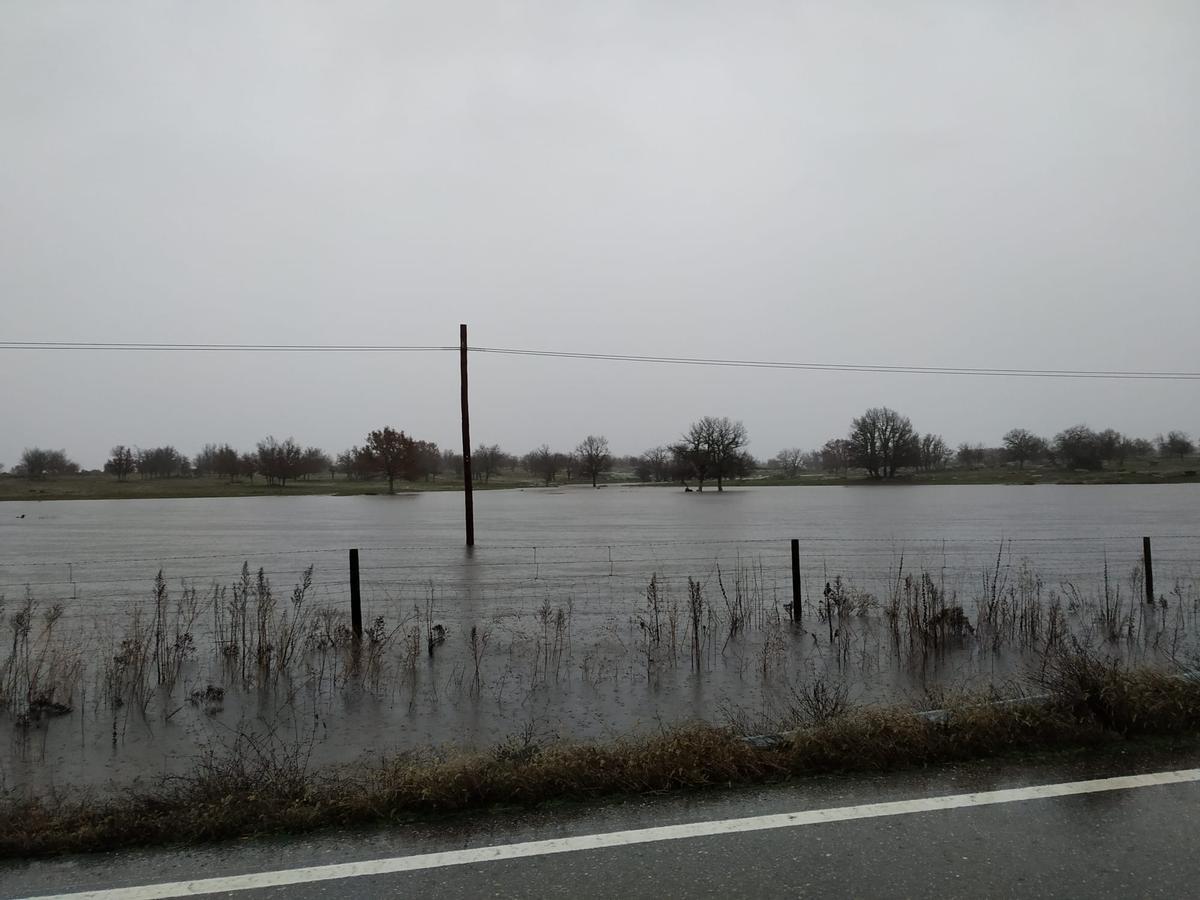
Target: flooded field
(581, 613)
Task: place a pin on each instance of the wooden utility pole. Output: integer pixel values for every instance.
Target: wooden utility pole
(466, 430)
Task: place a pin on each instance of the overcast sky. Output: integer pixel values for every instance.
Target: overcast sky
(953, 184)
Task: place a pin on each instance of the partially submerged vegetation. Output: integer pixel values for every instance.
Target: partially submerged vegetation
(1076, 667)
(262, 786)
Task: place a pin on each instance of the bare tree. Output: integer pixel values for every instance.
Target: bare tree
(453, 462)
(933, 452)
(690, 458)
(594, 458)
(836, 455)
(712, 448)
(120, 463)
(726, 439)
(1023, 446)
(882, 440)
(388, 451)
(544, 463)
(486, 461)
(791, 461)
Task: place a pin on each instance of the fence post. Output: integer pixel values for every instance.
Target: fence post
(355, 597)
(1148, 565)
(795, 580)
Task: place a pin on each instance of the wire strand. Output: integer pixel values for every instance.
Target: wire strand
(875, 368)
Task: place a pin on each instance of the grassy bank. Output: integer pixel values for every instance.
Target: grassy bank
(256, 788)
(1163, 472)
(106, 487)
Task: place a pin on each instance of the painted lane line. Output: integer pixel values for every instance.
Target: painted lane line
(283, 877)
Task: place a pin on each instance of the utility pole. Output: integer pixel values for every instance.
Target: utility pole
(466, 430)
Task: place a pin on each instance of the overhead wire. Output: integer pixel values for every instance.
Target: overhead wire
(877, 368)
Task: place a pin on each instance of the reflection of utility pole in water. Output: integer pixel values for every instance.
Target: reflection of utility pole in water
(466, 434)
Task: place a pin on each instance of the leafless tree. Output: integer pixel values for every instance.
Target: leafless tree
(1023, 446)
(836, 456)
(453, 462)
(544, 463)
(712, 448)
(933, 452)
(120, 463)
(791, 461)
(690, 459)
(653, 465)
(882, 440)
(594, 458)
(486, 462)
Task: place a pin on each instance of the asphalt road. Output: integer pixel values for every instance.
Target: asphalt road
(1133, 842)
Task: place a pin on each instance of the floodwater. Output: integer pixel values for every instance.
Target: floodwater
(567, 641)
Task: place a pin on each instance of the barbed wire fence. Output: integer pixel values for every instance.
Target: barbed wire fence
(601, 578)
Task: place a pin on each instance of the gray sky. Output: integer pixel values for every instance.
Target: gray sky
(977, 183)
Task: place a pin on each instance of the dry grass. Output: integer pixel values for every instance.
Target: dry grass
(260, 786)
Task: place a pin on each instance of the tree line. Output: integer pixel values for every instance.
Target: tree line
(881, 442)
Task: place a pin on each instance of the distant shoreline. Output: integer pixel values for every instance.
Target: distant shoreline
(105, 487)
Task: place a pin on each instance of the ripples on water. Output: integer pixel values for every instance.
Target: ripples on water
(567, 640)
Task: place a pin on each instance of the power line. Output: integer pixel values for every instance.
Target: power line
(236, 348)
(1117, 374)
(848, 367)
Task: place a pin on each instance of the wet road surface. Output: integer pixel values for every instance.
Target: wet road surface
(1138, 841)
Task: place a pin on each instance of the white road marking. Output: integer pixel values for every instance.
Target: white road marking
(283, 877)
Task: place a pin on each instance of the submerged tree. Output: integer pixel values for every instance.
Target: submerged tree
(712, 448)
